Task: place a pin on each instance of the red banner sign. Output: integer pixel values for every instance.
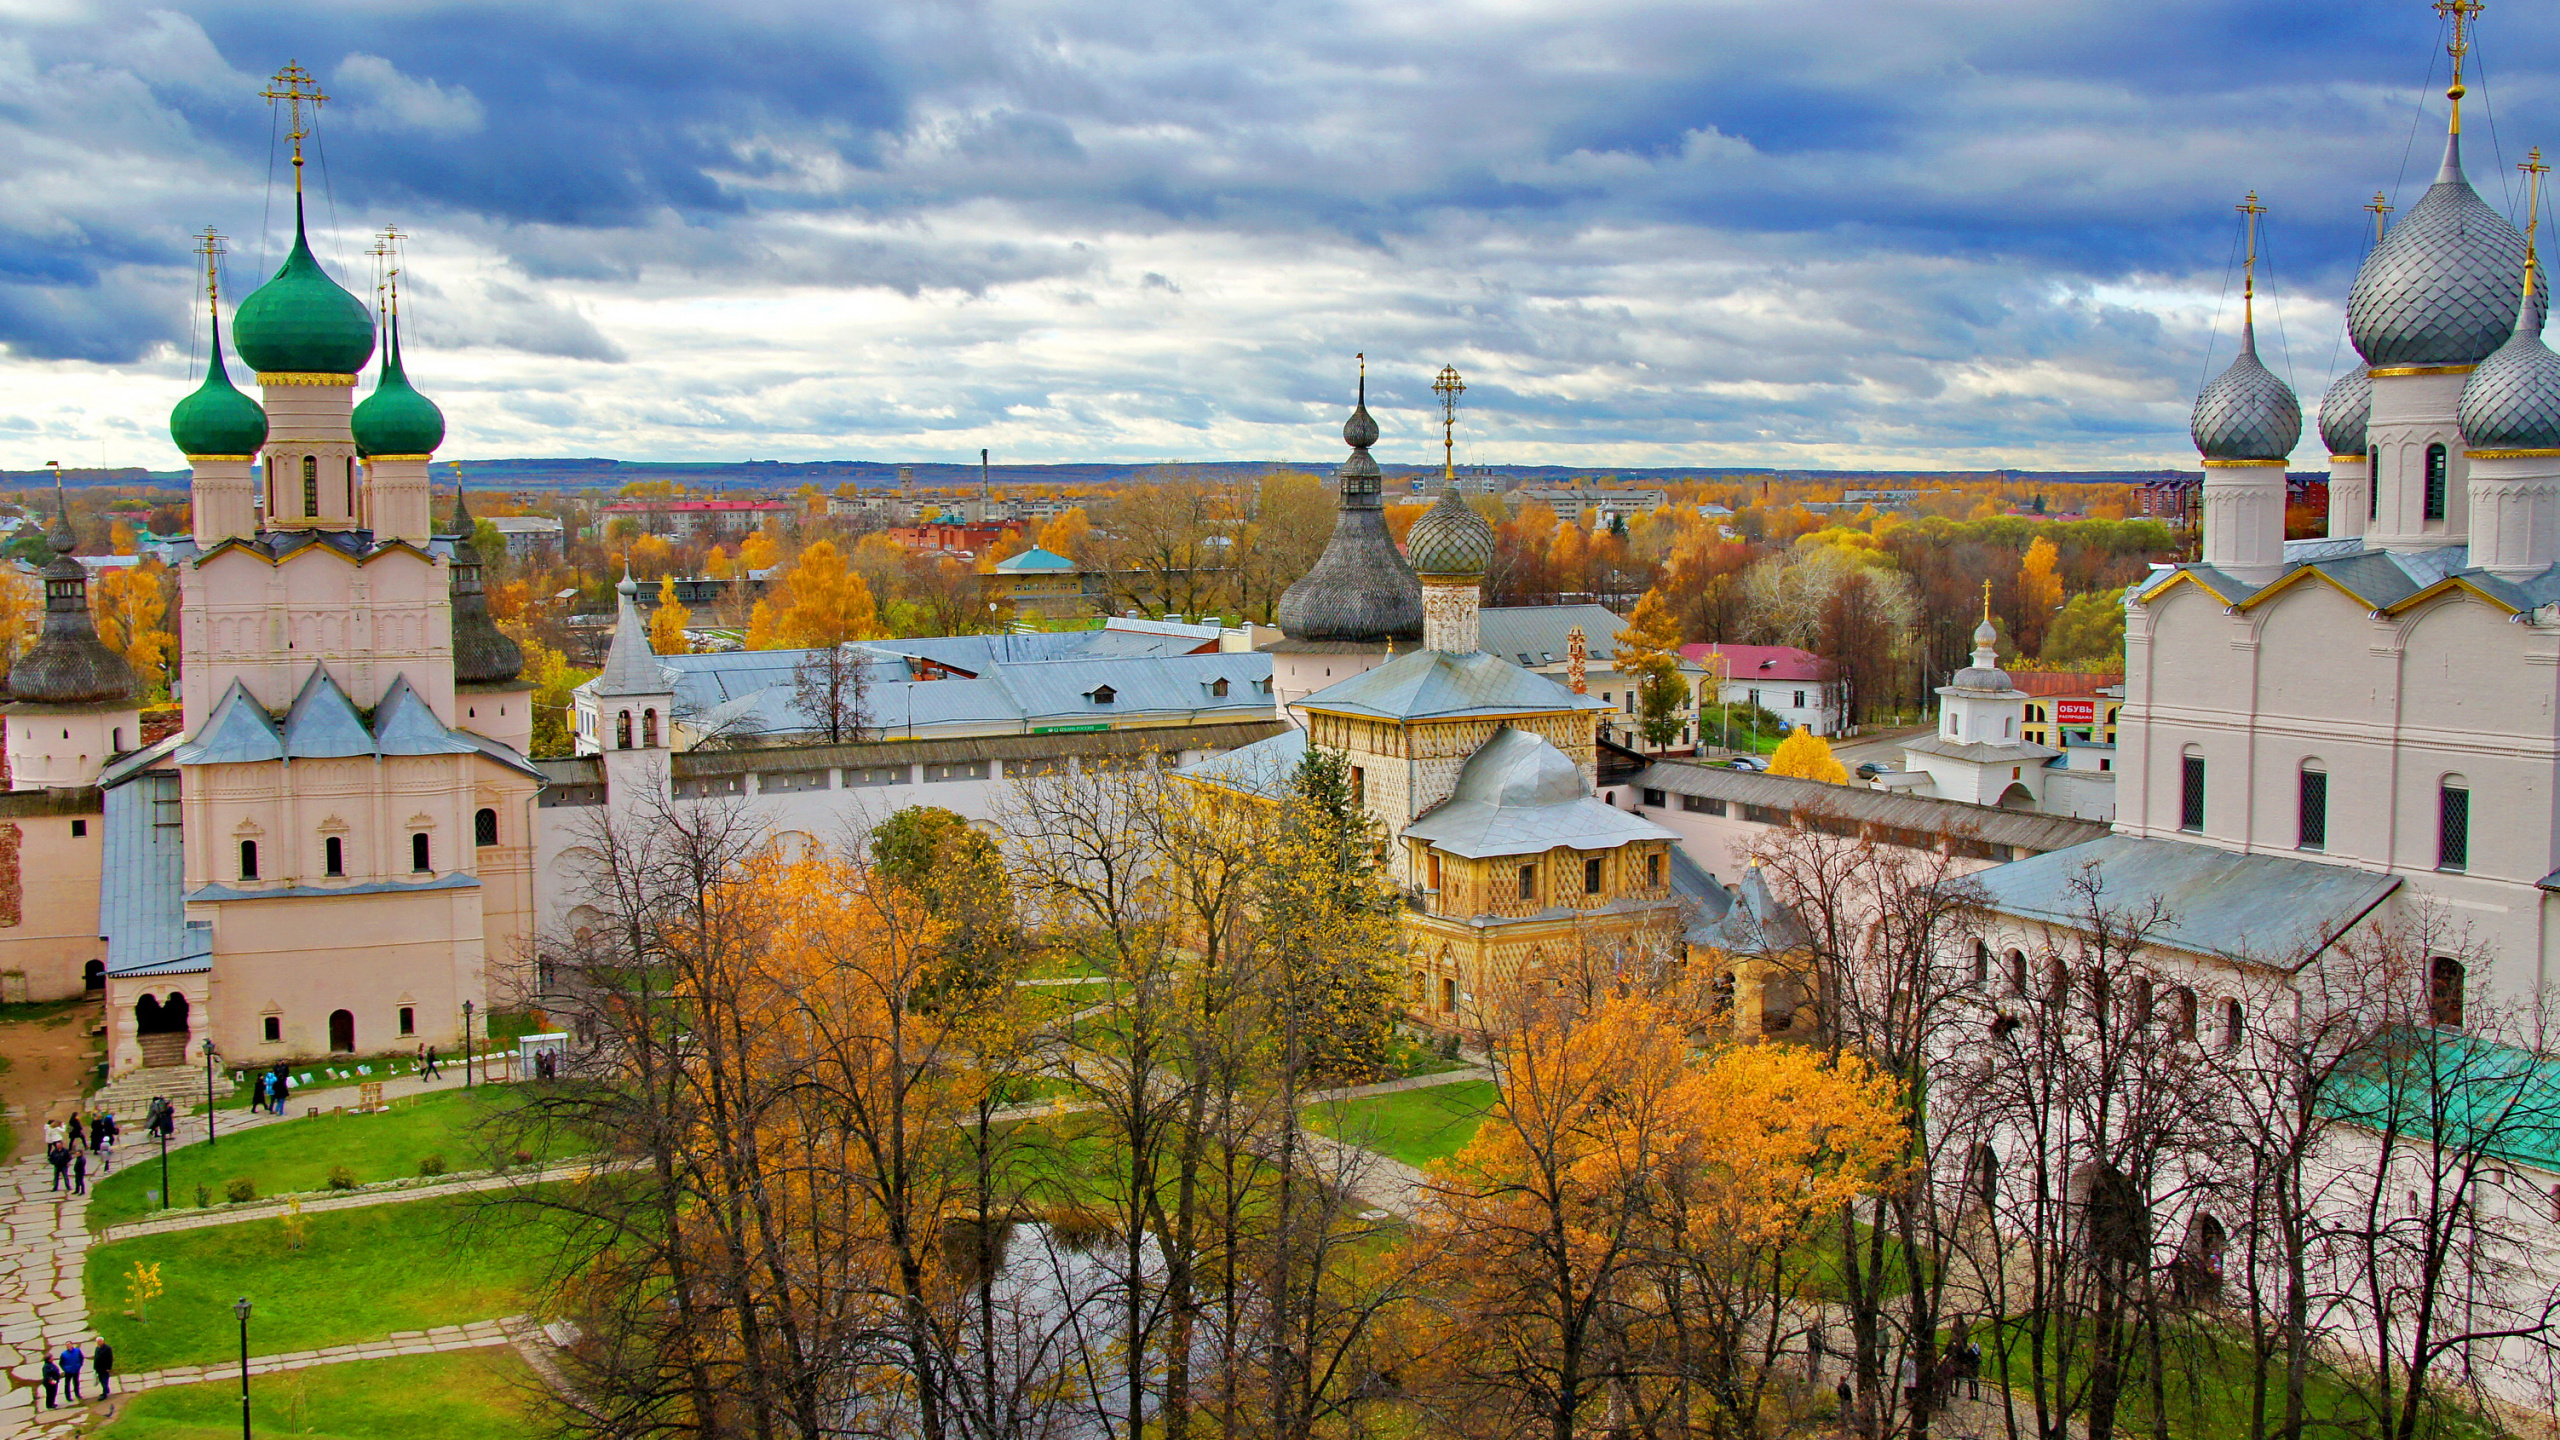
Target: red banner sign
(2075, 712)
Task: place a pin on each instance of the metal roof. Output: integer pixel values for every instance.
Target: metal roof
(1141, 740)
(239, 733)
(754, 692)
(142, 912)
(403, 724)
(2020, 829)
(322, 723)
(1539, 631)
(1263, 769)
(1520, 795)
(1755, 921)
(2005, 752)
(1774, 663)
(1431, 684)
(629, 667)
(218, 892)
(2265, 909)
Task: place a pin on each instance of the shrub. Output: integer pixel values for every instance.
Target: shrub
(341, 1178)
(1449, 1046)
(240, 1187)
(204, 1196)
(524, 1157)
(432, 1165)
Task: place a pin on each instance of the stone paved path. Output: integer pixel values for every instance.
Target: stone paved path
(464, 1183)
(44, 1241)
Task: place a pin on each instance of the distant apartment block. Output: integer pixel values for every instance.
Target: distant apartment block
(699, 519)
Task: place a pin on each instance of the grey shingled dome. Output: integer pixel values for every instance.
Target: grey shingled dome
(69, 665)
(482, 653)
(1359, 588)
(2246, 413)
(2344, 411)
(2512, 402)
(1450, 539)
(2441, 287)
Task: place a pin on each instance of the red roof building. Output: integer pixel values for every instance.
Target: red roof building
(685, 519)
(1799, 687)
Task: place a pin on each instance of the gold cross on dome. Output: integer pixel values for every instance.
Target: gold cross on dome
(2380, 205)
(2462, 13)
(293, 85)
(210, 246)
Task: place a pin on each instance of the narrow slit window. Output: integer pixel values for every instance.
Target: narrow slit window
(310, 485)
(2453, 828)
(2437, 468)
(2311, 825)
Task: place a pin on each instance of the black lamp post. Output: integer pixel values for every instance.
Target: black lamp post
(466, 1044)
(164, 1163)
(241, 1309)
(208, 1094)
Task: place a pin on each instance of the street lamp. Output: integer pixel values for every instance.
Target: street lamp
(466, 1044)
(241, 1309)
(164, 1162)
(208, 1094)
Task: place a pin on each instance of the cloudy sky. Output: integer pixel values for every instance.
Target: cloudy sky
(1928, 233)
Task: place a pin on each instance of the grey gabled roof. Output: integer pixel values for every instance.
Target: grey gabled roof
(1539, 631)
(1915, 814)
(404, 724)
(1263, 769)
(238, 733)
(1981, 752)
(207, 894)
(1756, 922)
(629, 666)
(128, 766)
(2265, 909)
(1703, 902)
(1431, 684)
(1519, 795)
(322, 723)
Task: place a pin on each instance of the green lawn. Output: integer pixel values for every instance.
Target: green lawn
(1415, 1126)
(385, 1067)
(361, 1275)
(296, 1155)
(467, 1395)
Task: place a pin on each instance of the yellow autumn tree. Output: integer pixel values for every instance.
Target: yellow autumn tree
(718, 565)
(650, 555)
(2039, 588)
(552, 678)
(20, 603)
(758, 551)
(667, 622)
(817, 602)
(1807, 756)
(131, 610)
(1062, 535)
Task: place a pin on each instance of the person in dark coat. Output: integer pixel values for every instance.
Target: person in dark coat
(79, 1172)
(52, 1383)
(103, 1360)
(281, 1089)
(58, 1155)
(72, 1132)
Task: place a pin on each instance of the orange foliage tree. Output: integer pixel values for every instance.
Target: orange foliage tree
(819, 601)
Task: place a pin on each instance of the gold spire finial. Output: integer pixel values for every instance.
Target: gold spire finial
(293, 85)
(386, 263)
(1986, 601)
(2534, 170)
(209, 245)
(2462, 13)
(1449, 387)
(2249, 267)
(2380, 205)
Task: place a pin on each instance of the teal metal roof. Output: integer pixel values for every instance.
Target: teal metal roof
(1034, 561)
(404, 724)
(322, 723)
(2459, 1091)
(1263, 769)
(239, 733)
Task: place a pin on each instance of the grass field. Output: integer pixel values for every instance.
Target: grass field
(296, 1155)
(468, 1395)
(360, 1275)
(339, 1089)
(1415, 1126)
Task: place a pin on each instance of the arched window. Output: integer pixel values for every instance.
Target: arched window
(1982, 1176)
(484, 827)
(310, 485)
(1981, 962)
(2096, 976)
(2311, 811)
(2017, 972)
(333, 856)
(2057, 980)
(351, 487)
(2436, 473)
(2373, 483)
(2182, 1013)
(649, 728)
(248, 859)
(2191, 790)
(418, 856)
(622, 731)
(2234, 1024)
(2445, 981)
(2141, 1015)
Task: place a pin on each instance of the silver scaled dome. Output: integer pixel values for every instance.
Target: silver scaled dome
(2440, 288)
(1450, 539)
(2512, 402)
(2344, 411)
(1359, 591)
(2246, 413)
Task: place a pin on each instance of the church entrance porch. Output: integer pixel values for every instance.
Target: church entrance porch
(160, 1028)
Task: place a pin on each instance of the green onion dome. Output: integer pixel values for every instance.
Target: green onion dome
(395, 419)
(217, 419)
(302, 322)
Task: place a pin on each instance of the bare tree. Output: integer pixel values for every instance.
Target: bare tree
(831, 688)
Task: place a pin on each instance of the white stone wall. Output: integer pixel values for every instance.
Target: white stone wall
(2410, 413)
(264, 624)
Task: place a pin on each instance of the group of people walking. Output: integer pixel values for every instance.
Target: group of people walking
(70, 1144)
(62, 1372)
(269, 1091)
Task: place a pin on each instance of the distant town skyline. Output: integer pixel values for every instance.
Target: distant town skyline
(1869, 237)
